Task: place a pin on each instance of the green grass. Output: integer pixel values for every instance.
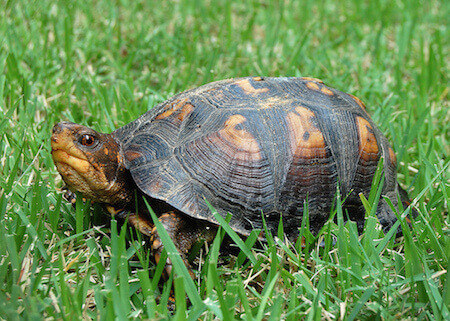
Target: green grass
(103, 63)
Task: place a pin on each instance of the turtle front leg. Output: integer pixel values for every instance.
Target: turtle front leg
(71, 197)
(184, 232)
(141, 223)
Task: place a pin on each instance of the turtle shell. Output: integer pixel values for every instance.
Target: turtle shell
(253, 146)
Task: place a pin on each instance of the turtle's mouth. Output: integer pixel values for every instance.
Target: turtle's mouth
(62, 157)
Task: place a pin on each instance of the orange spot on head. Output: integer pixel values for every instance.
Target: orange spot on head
(326, 91)
(306, 139)
(368, 145)
(247, 87)
(235, 133)
(358, 101)
(258, 78)
(312, 85)
(106, 151)
(313, 79)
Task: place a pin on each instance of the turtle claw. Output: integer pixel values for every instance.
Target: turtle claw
(71, 197)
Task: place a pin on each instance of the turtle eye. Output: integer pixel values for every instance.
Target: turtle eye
(87, 140)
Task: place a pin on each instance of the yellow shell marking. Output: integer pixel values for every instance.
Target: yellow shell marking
(306, 140)
(358, 101)
(175, 106)
(240, 138)
(326, 91)
(185, 111)
(392, 156)
(247, 87)
(312, 85)
(368, 143)
(313, 79)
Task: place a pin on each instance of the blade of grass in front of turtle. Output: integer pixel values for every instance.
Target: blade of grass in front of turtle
(249, 242)
(94, 258)
(165, 296)
(33, 232)
(271, 248)
(212, 262)
(267, 292)
(342, 240)
(244, 299)
(361, 302)
(394, 228)
(159, 269)
(177, 263)
(376, 187)
(147, 293)
(413, 260)
(437, 304)
(214, 281)
(214, 251)
(81, 208)
(427, 221)
(305, 234)
(119, 270)
(234, 236)
(276, 308)
(295, 258)
(268, 233)
(180, 299)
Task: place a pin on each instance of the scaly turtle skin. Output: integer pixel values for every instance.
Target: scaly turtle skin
(247, 146)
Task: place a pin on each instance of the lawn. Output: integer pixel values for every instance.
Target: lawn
(103, 63)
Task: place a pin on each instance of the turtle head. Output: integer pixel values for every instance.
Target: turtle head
(91, 163)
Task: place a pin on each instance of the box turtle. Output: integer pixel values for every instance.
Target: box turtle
(248, 146)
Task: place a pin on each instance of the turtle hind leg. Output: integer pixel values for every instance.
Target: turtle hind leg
(385, 213)
(386, 216)
(184, 233)
(406, 201)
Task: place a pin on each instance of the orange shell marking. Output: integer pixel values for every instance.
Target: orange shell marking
(313, 79)
(392, 156)
(247, 87)
(185, 111)
(132, 155)
(312, 85)
(326, 91)
(240, 139)
(368, 143)
(358, 101)
(175, 106)
(306, 139)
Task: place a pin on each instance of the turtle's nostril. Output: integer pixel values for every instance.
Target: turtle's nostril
(57, 128)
